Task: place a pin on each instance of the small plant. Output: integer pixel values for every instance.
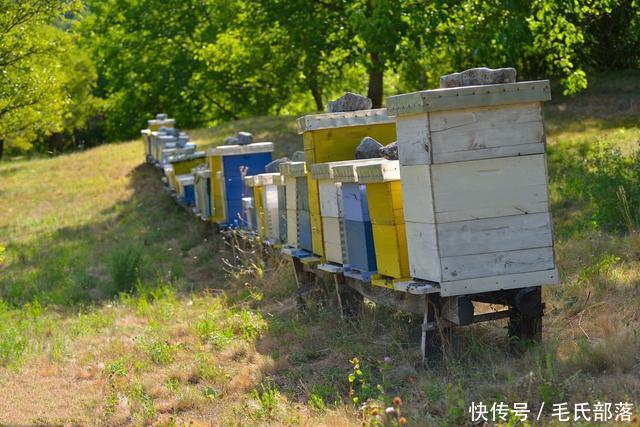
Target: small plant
(117, 368)
(268, 397)
(360, 389)
(125, 268)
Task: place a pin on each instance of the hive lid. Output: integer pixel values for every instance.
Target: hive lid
(347, 172)
(325, 170)
(382, 171)
(270, 179)
(251, 180)
(230, 150)
(146, 132)
(344, 119)
(469, 96)
(201, 173)
(183, 157)
(185, 179)
(161, 122)
(295, 169)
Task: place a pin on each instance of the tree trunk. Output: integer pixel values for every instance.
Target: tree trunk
(1, 148)
(317, 97)
(375, 80)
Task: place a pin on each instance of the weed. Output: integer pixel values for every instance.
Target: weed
(125, 268)
(117, 368)
(268, 398)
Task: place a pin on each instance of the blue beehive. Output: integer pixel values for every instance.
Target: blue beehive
(361, 253)
(304, 217)
(236, 162)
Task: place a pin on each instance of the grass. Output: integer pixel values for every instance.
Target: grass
(116, 307)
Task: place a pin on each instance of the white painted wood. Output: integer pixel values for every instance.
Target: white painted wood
(325, 170)
(231, 150)
(332, 239)
(423, 251)
(347, 171)
(251, 180)
(329, 198)
(290, 191)
(292, 227)
(384, 171)
(496, 283)
(343, 119)
(497, 263)
(416, 194)
(413, 139)
(295, 169)
(489, 188)
(505, 233)
(270, 178)
(488, 132)
(468, 96)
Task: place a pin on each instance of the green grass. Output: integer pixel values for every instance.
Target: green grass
(115, 307)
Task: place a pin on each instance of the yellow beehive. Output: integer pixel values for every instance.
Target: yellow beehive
(333, 137)
(384, 197)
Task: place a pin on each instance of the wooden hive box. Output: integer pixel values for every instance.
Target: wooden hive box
(360, 249)
(474, 181)
(249, 213)
(202, 178)
(271, 185)
(253, 182)
(156, 124)
(146, 141)
(333, 137)
(295, 176)
(185, 190)
(384, 199)
(229, 164)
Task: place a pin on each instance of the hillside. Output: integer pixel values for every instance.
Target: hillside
(116, 305)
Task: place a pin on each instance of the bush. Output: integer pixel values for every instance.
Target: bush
(125, 268)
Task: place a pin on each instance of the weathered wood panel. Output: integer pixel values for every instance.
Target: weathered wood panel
(413, 139)
(496, 283)
(417, 194)
(424, 259)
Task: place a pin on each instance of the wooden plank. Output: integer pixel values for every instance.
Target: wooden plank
(495, 234)
(384, 171)
(290, 191)
(424, 260)
(332, 239)
(392, 258)
(329, 197)
(497, 283)
(469, 96)
(497, 263)
(292, 228)
(417, 194)
(490, 188)
(487, 132)
(232, 150)
(413, 140)
(316, 234)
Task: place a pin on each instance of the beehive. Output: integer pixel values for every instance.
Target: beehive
(360, 253)
(474, 181)
(297, 204)
(229, 164)
(185, 189)
(272, 195)
(158, 123)
(253, 183)
(384, 199)
(249, 213)
(202, 183)
(333, 137)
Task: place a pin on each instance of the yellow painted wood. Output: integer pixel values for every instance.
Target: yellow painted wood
(385, 203)
(317, 243)
(392, 256)
(182, 167)
(156, 127)
(217, 189)
(329, 145)
(258, 204)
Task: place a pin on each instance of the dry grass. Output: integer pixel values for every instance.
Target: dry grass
(196, 344)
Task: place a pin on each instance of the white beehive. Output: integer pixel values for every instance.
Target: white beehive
(271, 184)
(474, 185)
(294, 174)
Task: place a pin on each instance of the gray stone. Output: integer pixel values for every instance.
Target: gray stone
(298, 156)
(244, 138)
(369, 148)
(231, 140)
(478, 77)
(390, 151)
(274, 166)
(161, 116)
(349, 102)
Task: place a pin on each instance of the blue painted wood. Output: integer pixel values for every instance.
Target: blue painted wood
(360, 250)
(190, 195)
(233, 166)
(304, 231)
(354, 199)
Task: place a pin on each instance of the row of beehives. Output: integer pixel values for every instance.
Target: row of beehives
(465, 206)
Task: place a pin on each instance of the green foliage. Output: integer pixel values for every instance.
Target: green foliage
(125, 268)
(45, 79)
(268, 397)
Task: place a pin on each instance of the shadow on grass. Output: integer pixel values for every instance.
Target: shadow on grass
(74, 265)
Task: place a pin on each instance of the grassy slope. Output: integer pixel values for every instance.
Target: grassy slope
(202, 342)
